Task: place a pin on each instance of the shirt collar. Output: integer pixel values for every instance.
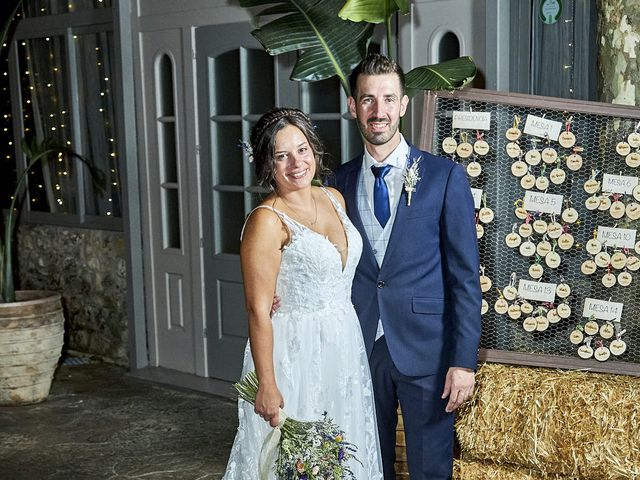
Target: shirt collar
(397, 158)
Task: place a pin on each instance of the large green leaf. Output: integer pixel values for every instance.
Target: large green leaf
(372, 11)
(447, 75)
(327, 44)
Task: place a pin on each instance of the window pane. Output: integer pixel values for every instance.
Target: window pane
(226, 89)
(43, 64)
(97, 119)
(324, 96)
(228, 158)
(329, 132)
(168, 151)
(261, 82)
(449, 47)
(164, 86)
(171, 217)
(230, 218)
(355, 146)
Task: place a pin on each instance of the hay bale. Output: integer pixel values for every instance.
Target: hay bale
(465, 469)
(576, 424)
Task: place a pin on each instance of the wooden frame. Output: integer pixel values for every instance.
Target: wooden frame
(552, 104)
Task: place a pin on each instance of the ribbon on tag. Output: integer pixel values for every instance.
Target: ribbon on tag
(269, 450)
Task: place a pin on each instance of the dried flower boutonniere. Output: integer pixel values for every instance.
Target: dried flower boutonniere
(411, 178)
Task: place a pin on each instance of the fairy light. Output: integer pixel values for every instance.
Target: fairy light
(46, 83)
(569, 68)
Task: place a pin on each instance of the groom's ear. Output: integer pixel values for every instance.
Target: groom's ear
(351, 103)
(404, 102)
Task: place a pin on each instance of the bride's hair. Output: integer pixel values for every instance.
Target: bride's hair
(263, 140)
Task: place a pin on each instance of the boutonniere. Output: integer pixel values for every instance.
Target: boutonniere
(411, 178)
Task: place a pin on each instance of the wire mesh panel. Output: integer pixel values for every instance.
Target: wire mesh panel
(557, 209)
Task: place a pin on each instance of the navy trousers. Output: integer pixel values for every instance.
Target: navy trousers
(428, 428)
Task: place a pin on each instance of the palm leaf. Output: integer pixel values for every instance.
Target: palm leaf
(8, 21)
(327, 45)
(35, 152)
(447, 75)
(372, 11)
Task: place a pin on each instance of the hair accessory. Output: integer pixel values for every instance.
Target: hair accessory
(248, 150)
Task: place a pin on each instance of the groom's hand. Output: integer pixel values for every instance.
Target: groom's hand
(275, 305)
(458, 386)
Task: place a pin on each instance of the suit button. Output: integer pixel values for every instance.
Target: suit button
(380, 284)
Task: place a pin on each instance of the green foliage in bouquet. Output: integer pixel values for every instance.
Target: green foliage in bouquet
(311, 450)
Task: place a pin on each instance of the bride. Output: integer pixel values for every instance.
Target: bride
(310, 356)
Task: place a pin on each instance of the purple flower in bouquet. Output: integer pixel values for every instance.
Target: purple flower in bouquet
(311, 450)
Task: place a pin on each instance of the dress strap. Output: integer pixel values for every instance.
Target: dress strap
(334, 200)
(291, 225)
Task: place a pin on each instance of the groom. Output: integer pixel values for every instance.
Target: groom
(416, 288)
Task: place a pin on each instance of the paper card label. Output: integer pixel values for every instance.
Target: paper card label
(472, 120)
(617, 237)
(602, 309)
(477, 197)
(542, 202)
(537, 291)
(618, 183)
(542, 127)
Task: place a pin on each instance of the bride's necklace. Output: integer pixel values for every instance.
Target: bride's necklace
(302, 217)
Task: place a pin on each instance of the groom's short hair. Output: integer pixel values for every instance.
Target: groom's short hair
(375, 64)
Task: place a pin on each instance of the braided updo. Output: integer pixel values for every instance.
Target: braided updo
(263, 140)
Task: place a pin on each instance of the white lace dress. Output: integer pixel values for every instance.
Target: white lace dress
(319, 356)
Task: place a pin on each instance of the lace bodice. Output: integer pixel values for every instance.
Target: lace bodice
(311, 272)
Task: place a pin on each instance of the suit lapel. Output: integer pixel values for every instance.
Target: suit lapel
(402, 209)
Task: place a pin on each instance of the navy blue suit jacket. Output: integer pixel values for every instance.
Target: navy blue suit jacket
(427, 291)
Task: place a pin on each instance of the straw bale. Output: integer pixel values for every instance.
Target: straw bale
(477, 470)
(571, 423)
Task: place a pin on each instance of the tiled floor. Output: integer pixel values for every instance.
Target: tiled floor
(99, 423)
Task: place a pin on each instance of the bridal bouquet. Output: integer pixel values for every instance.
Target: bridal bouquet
(314, 450)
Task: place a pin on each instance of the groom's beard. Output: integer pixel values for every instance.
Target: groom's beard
(378, 138)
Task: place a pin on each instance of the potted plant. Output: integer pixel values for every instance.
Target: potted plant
(31, 321)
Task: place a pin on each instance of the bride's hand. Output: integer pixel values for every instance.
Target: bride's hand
(268, 402)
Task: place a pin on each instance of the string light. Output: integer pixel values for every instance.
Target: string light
(41, 87)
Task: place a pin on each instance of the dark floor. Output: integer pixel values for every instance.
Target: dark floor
(99, 423)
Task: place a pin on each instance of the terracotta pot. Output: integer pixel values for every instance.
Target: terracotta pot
(31, 337)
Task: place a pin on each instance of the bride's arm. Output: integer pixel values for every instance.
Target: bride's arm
(260, 254)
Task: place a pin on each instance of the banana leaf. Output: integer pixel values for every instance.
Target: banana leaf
(372, 11)
(327, 45)
(448, 75)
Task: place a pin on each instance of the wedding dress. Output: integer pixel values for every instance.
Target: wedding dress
(318, 352)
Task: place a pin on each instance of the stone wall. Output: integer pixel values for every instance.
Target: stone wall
(88, 268)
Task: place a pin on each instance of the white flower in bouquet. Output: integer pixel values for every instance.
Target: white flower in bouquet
(311, 450)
